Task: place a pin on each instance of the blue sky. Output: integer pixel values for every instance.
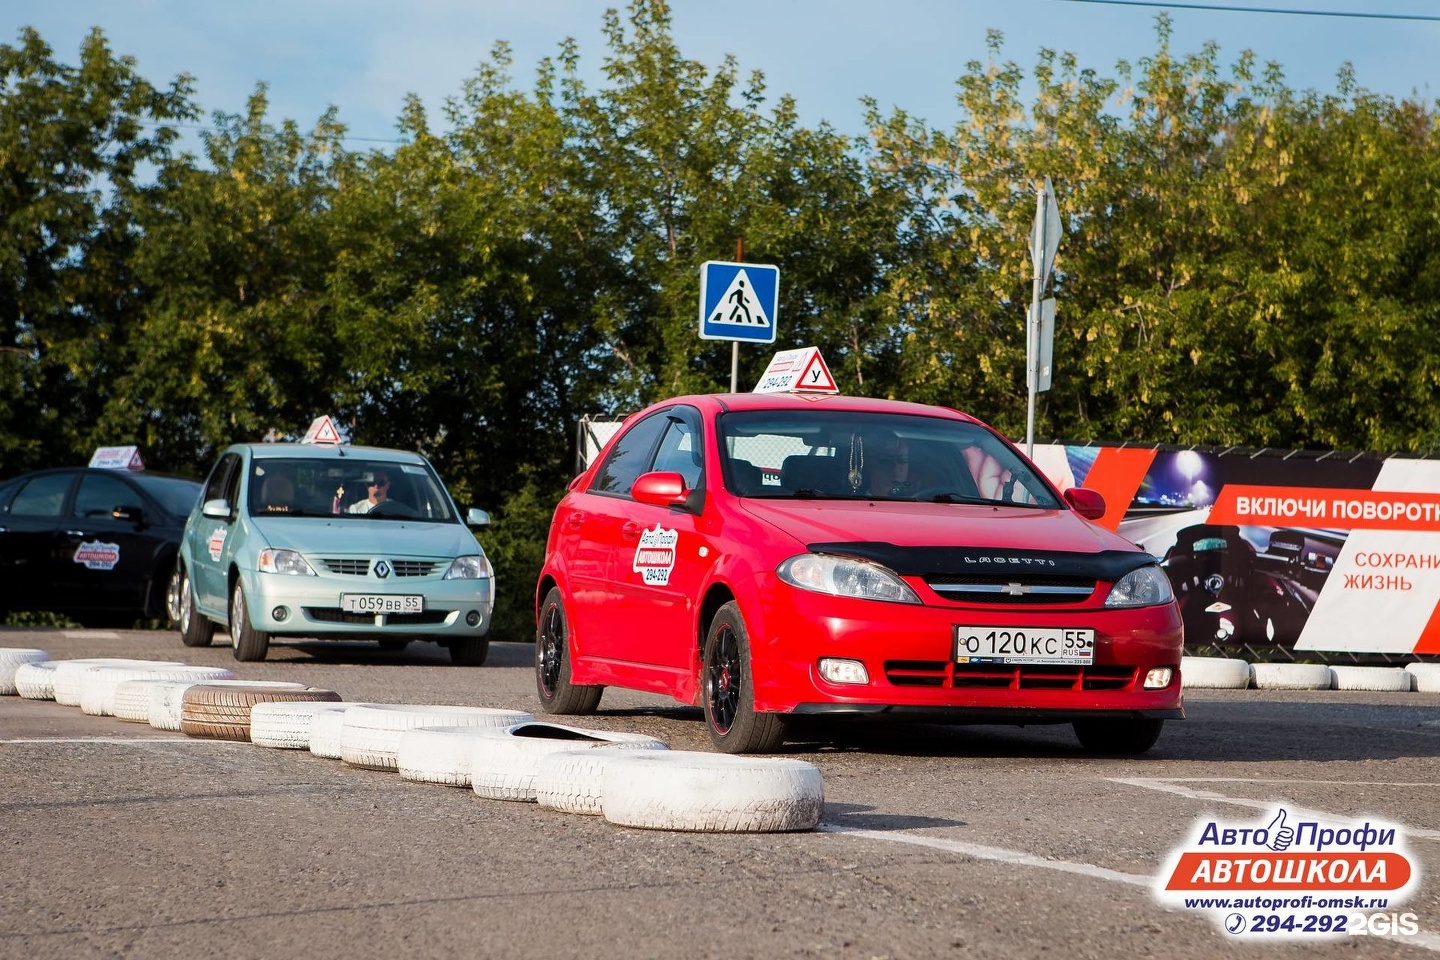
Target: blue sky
(363, 56)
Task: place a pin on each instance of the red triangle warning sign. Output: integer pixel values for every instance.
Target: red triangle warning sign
(797, 371)
(815, 377)
(322, 430)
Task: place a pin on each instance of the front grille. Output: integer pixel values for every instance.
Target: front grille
(941, 673)
(1009, 591)
(347, 568)
(336, 615)
(360, 568)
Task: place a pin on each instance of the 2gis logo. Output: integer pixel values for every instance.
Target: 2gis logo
(1291, 875)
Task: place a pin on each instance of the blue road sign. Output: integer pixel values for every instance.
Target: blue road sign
(739, 301)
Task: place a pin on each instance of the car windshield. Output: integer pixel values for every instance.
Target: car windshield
(175, 495)
(820, 454)
(347, 487)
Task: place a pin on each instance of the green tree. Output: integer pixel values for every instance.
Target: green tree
(76, 143)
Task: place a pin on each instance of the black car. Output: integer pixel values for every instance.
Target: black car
(97, 545)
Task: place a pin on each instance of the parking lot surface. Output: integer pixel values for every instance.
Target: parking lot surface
(127, 841)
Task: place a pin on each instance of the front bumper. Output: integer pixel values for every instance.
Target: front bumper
(296, 606)
(908, 653)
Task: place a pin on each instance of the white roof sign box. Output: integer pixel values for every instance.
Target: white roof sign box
(322, 430)
(801, 370)
(117, 458)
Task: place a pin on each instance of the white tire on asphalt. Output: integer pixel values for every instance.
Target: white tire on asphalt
(98, 683)
(504, 763)
(69, 672)
(1214, 673)
(286, 725)
(1387, 679)
(167, 697)
(436, 755)
(10, 660)
(573, 781)
(132, 700)
(712, 792)
(1291, 676)
(370, 736)
(36, 680)
(326, 728)
(1424, 677)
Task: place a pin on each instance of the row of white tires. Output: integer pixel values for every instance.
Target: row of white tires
(1224, 673)
(631, 779)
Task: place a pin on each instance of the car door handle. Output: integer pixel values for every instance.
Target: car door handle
(575, 519)
(74, 533)
(630, 531)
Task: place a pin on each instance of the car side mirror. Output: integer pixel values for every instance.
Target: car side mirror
(132, 514)
(1090, 504)
(662, 488)
(218, 509)
(476, 518)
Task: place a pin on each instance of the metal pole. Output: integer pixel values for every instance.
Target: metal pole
(735, 344)
(1032, 322)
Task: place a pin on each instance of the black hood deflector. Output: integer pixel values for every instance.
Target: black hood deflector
(991, 562)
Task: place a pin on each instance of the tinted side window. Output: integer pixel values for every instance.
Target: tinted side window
(41, 497)
(631, 456)
(215, 485)
(99, 494)
(680, 451)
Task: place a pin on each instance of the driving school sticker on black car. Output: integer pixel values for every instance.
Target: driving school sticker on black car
(655, 557)
(98, 556)
(1293, 875)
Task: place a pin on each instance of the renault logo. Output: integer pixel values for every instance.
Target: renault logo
(382, 569)
(1015, 589)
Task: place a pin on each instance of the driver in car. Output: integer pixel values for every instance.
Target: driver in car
(886, 466)
(379, 492)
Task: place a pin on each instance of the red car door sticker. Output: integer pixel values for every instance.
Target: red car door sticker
(655, 556)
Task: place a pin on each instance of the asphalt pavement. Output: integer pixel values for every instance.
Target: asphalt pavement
(121, 840)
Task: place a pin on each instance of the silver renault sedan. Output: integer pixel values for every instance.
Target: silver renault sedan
(331, 541)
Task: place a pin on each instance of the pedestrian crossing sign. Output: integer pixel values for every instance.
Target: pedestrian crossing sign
(739, 301)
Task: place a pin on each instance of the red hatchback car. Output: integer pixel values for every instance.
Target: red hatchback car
(766, 556)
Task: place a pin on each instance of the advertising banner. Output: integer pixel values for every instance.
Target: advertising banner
(1308, 551)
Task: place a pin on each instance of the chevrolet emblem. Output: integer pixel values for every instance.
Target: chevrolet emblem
(1015, 589)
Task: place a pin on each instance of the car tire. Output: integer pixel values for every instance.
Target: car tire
(469, 651)
(702, 792)
(196, 629)
(727, 689)
(552, 663)
(248, 643)
(164, 602)
(1121, 738)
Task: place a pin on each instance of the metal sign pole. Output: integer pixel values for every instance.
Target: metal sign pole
(1032, 321)
(735, 344)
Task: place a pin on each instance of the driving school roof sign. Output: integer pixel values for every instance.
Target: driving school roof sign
(797, 371)
(738, 301)
(117, 458)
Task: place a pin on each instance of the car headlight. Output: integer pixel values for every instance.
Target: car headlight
(845, 577)
(287, 562)
(470, 568)
(1142, 587)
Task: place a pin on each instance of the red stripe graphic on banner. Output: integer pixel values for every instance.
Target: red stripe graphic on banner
(1429, 641)
(1116, 475)
(1266, 506)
